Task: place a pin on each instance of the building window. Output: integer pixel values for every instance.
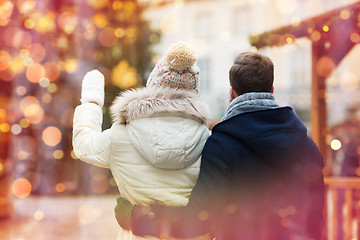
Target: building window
(205, 75)
(203, 26)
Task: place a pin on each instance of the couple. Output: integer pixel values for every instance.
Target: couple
(258, 176)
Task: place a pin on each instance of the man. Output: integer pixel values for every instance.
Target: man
(260, 175)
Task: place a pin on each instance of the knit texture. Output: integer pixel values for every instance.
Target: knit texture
(177, 69)
(252, 101)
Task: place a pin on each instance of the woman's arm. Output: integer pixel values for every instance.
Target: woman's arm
(90, 144)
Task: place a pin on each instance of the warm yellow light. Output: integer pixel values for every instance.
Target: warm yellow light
(5, 127)
(52, 88)
(60, 187)
(67, 21)
(325, 28)
(71, 65)
(119, 32)
(58, 154)
(72, 154)
(124, 76)
(97, 4)
(100, 20)
(344, 14)
(16, 65)
(3, 113)
(335, 144)
(6, 8)
(355, 37)
(24, 123)
(178, 3)
(26, 6)
(117, 5)
(29, 23)
(289, 40)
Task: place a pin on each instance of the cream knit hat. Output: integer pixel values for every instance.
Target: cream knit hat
(177, 69)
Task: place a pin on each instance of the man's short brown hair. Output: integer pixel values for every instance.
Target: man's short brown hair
(251, 72)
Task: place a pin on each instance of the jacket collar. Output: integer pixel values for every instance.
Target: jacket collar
(149, 101)
(248, 102)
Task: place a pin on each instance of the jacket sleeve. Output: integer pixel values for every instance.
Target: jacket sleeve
(90, 144)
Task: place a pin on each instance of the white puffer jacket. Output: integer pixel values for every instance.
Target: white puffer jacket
(153, 148)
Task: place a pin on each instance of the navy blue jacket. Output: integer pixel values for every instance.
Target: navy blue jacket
(260, 179)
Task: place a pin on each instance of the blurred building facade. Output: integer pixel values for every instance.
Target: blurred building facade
(220, 29)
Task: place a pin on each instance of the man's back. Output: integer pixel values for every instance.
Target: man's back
(267, 176)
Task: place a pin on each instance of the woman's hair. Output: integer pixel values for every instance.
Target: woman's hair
(251, 72)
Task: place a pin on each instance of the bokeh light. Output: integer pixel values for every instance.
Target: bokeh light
(51, 136)
(60, 187)
(315, 36)
(345, 14)
(107, 37)
(6, 11)
(71, 65)
(35, 72)
(124, 76)
(21, 188)
(58, 154)
(16, 129)
(17, 38)
(100, 21)
(325, 66)
(37, 52)
(32, 110)
(38, 215)
(67, 22)
(349, 81)
(25, 6)
(5, 127)
(335, 144)
(87, 214)
(98, 4)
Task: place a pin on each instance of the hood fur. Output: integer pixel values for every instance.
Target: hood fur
(148, 101)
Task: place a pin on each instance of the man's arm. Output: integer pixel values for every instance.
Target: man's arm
(206, 201)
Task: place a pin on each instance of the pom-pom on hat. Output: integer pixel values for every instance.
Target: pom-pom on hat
(177, 69)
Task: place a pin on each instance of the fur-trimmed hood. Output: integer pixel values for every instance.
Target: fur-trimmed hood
(148, 101)
(167, 126)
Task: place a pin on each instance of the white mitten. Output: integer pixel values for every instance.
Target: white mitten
(92, 89)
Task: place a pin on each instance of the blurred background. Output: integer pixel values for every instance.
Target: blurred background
(46, 47)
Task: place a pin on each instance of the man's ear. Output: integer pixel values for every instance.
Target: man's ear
(233, 94)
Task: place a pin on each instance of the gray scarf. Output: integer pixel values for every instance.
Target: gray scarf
(249, 102)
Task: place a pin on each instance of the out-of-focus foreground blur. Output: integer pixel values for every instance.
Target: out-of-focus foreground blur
(46, 47)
